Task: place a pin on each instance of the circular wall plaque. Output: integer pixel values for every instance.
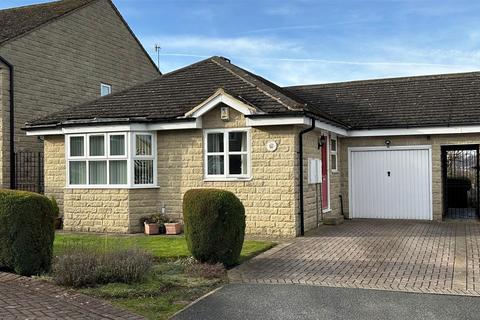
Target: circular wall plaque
(271, 146)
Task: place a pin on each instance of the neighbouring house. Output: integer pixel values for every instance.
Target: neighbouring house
(390, 148)
(55, 55)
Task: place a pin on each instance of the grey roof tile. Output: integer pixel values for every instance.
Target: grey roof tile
(437, 100)
(18, 21)
(172, 95)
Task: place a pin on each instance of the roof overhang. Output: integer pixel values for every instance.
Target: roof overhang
(109, 127)
(263, 121)
(294, 120)
(414, 131)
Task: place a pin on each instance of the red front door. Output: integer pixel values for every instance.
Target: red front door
(325, 160)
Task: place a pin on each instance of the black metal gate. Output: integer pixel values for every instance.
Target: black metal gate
(29, 174)
(460, 166)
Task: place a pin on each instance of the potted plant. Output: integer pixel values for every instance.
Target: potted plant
(173, 227)
(154, 224)
(150, 225)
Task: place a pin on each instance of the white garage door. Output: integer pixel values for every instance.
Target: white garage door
(390, 183)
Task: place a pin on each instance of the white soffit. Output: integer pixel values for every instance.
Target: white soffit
(174, 125)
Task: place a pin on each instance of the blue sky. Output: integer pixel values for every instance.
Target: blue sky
(310, 41)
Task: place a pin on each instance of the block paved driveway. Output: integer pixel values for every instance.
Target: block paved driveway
(26, 298)
(430, 257)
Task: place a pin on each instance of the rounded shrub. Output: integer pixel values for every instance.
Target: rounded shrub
(26, 232)
(214, 225)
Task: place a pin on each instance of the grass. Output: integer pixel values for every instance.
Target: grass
(162, 247)
(169, 288)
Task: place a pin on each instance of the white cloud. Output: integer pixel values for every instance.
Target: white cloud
(209, 46)
(289, 63)
(307, 27)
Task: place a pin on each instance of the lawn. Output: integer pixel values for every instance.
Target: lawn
(169, 288)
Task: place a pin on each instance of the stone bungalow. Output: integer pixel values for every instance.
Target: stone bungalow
(389, 148)
(55, 55)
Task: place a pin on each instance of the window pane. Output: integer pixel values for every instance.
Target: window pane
(117, 145)
(97, 172)
(143, 144)
(215, 165)
(333, 161)
(333, 145)
(78, 172)
(118, 172)
(97, 146)
(105, 89)
(143, 172)
(237, 164)
(215, 142)
(237, 141)
(76, 146)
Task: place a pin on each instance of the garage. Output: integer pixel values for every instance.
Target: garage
(390, 182)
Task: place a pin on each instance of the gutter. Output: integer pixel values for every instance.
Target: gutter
(102, 121)
(12, 123)
(300, 171)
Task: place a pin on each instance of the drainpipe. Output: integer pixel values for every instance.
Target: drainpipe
(12, 123)
(300, 174)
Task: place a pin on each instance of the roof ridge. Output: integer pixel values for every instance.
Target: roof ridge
(81, 5)
(387, 80)
(185, 68)
(221, 61)
(32, 5)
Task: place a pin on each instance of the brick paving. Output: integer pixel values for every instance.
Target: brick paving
(430, 257)
(26, 298)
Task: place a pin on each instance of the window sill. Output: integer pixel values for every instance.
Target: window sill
(335, 171)
(112, 187)
(226, 179)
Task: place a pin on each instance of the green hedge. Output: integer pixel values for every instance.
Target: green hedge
(214, 225)
(26, 232)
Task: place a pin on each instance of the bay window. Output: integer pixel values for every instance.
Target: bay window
(227, 153)
(111, 160)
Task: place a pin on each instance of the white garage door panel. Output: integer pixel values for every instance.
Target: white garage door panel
(405, 194)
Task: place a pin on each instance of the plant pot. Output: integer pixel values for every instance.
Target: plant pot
(151, 228)
(173, 228)
(58, 223)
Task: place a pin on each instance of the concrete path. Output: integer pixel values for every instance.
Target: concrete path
(430, 257)
(26, 298)
(291, 302)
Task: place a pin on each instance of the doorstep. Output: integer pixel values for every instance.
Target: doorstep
(333, 219)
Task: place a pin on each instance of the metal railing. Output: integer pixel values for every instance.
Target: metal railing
(29, 175)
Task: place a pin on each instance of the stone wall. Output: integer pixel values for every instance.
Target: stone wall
(142, 203)
(269, 197)
(62, 64)
(55, 168)
(311, 196)
(436, 141)
(96, 210)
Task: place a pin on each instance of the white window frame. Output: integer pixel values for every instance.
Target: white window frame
(334, 152)
(226, 152)
(105, 85)
(129, 156)
(134, 157)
